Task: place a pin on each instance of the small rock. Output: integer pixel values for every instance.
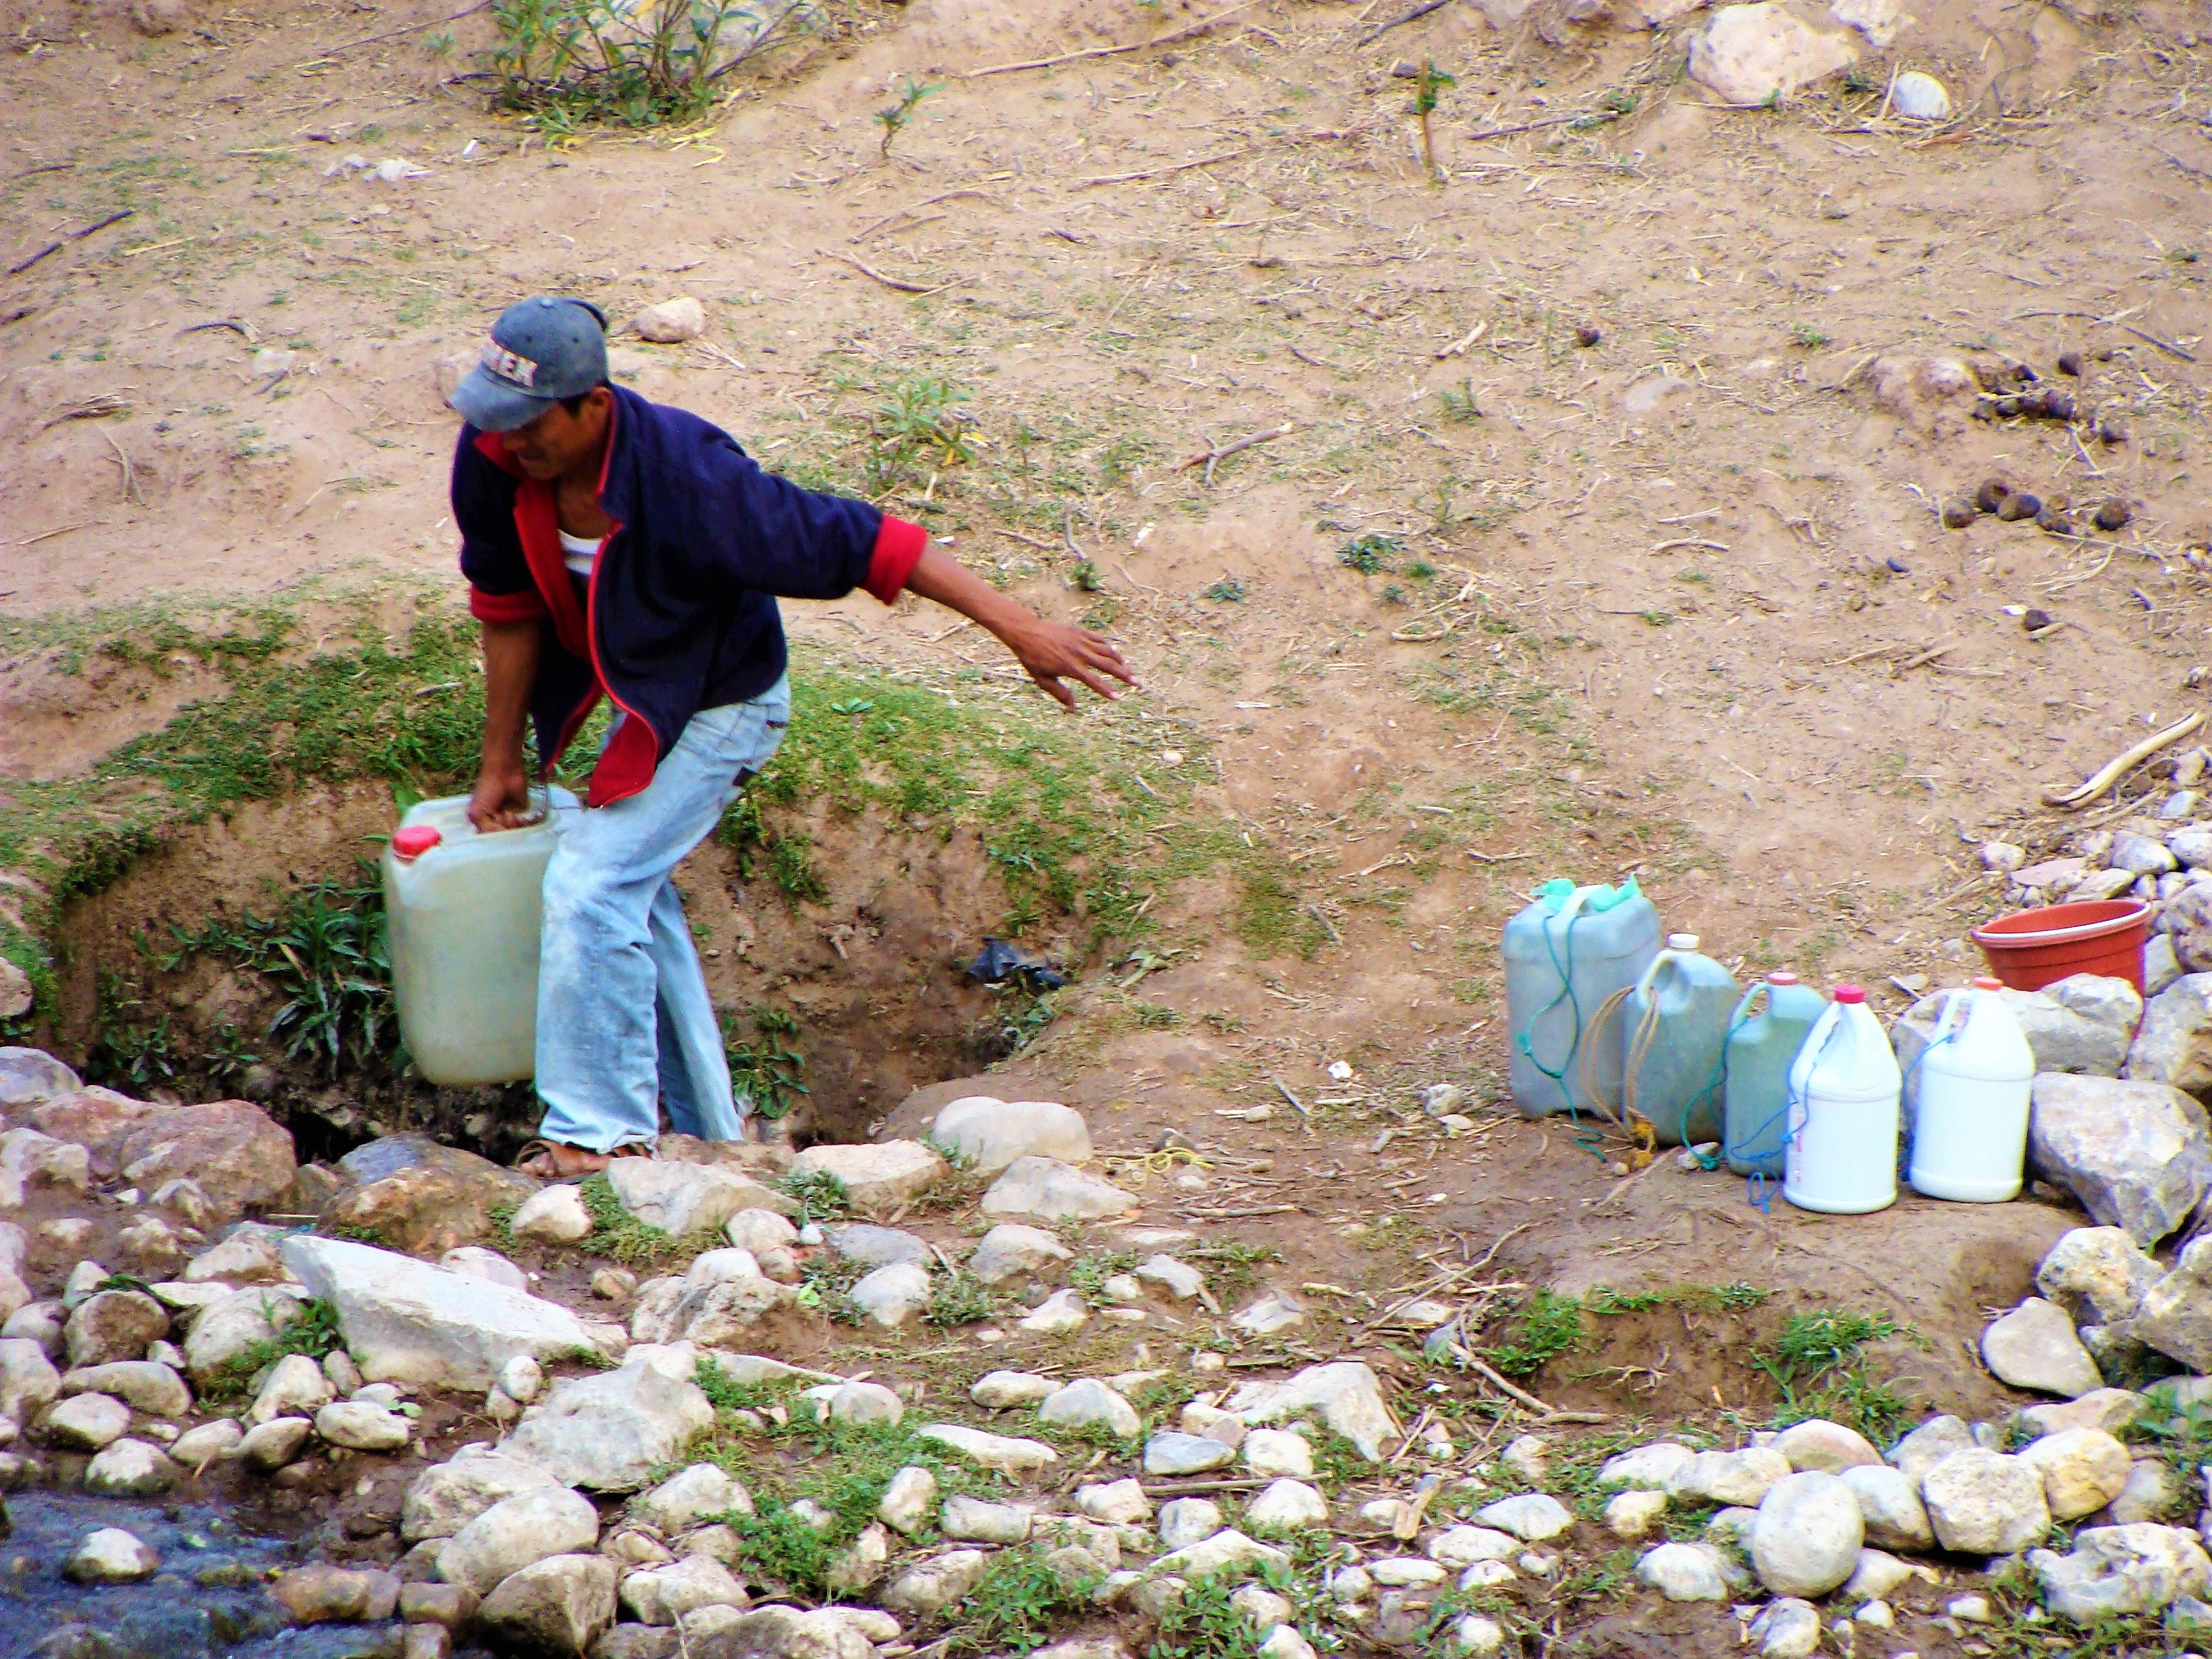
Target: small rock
(2116, 1572)
(1787, 1629)
(872, 1246)
(862, 1562)
(1876, 1577)
(111, 1555)
(973, 1520)
(894, 1295)
(1889, 1501)
(1808, 1535)
(30, 1077)
(1273, 1311)
(1534, 1517)
(693, 1495)
(2034, 1347)
(1524, 1459)
(1059, 1313)
(515, 1532)
(358, 1425)
(1738, 1477)
(987, 1136)
(295, 1387)
(908, 1500)
(2082, 1470)
(1228, 1554)
(1120, 1503)
(1179, 1279)
(273, 1445)
(197, 1448)
(1828, 1448)
(144, 1385)
(927, 1587)
(129, 1468)
(661, 1596)
(323, 1592)
(1983, 1503)
(1277, 1451)
(1000, 1391)
(1632, 1515)
(1088, 1401)
(1174, 1454)
(876, 1179)
(1007, 1454)
(1010, 1249)
(1653, 1468)
(2097, 1275)
(1286, 1506)
(1404, 1571)
(2175, 1316)
(2151, 1493)
(1929, 1445)
(555, 1215)
(1918, 97)
(558, 1605)
(1186, 1521)
(1053, 1191)
(1749, 54)
(1684, 1572)
(87, 1423)
(682, 1199)
(671, 322)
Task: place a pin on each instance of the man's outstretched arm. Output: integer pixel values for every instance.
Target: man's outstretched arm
(501, 800)
(1052, 652)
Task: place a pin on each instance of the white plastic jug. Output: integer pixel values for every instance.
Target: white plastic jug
(1844, 1087)
(464, 910)
(1970, 1123)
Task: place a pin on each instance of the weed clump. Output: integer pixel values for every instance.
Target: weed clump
(314, 1332)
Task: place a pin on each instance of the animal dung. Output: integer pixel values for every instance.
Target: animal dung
(2017, 506)
(1992, 495)
(2112, 515)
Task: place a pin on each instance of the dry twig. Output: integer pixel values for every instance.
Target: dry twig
(1215, 453)
(1169, 38)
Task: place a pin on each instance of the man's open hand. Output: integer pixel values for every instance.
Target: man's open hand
(501, 800)
(1055, 653)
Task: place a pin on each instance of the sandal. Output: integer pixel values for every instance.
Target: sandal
(541, 1159)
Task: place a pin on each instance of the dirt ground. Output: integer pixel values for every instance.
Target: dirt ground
(1675, 602)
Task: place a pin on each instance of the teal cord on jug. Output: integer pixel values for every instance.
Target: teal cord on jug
(1761, 1048)
(1570, 950)
(1674, 1032)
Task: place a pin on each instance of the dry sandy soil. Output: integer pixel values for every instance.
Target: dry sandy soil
(1682, 583)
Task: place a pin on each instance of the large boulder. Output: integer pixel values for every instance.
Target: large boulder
(2116, 1572)
(876, 1179)
(448, 1495)
(984, 1135)
(615, 1431)
(515, 1532)
(555, 1608)
(414, 1193)
(2175, 1316)
(1983, 1503)
(2097, 1275)
(782, 1633)
(2034, 1347)
(29, 1076)
(1053, 1191)
(2082, 1024)
(405, 1321)
(2175, 1043)
(681, 1198)
(2136, 1155)
(94, 1119)
(1344, 1394)
(2083, 1470)
(1808, 1534)
(1750, 54)
(232, 1151)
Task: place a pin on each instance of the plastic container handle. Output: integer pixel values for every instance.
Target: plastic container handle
(1740, 1017)
(1665, 956)
(1952, 1000)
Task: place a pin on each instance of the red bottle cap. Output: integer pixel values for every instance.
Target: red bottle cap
(410, 843)
(1986, 982)
(1850, 993)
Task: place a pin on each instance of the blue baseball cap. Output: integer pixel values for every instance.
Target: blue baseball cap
(540, 351)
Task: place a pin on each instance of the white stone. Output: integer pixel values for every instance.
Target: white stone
(2097, 1275)
(612, 1431)
(1087, 1402)
(682, 1199)
(405, 1321)
(893, 1296)
(1053, 1191)
(1401, 1572)
(111, 1555)
(1534, 1517)
(295, 1388)
(671, 322)
(210, 1443)
(1284, 1641)
(929, 1587)
(1477, 1636)
(1000, 1391)
(1983, 1503)
(760, 1231)
(1227, 1553)
(908, 1500)
(146, 1386)
(1829, 1448)
(1632, 1515)
(520, 1378)
(1277, 1451)
(2116, 1572)
(560, 1605)
(986, 1135)
(1007, 1454)
(129, 1468)
(448, 1495)
(362, 1425)
(1060, 1312)
(273, 1445)
(1650, 1469)
(1273, 1311)
(1929, 1445)
(1889, 1502)
(876, 1179)
(1174, 1453)
(1211, 1420)
(1525, 1459)
(1286, 1506)
(1787, 1629)
(2136, 1155)
(1186, 1521)
(2034, 1347)
(1736, 1477)
(1808, 1536)
(477, 1262)
(1749, 54)
(515, 1532)
(1876, 1577)
(1121, 1503)
(555, 1215)
(2082, 1470)
(1178, 1278)
(660, 1596)
(974, 1521)
(1010, 1249)
(86, 1422)
(1684, 1572)
(1344, 1394)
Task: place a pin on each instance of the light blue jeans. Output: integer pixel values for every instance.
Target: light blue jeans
(623, 1019)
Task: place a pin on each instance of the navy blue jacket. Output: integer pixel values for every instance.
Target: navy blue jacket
(679, 614)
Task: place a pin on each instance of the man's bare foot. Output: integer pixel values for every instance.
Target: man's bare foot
(553, 1160)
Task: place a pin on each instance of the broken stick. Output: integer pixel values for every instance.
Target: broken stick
(2120, 765)
(1215, 453)
(1169, 38)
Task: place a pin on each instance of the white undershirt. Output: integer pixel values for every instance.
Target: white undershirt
(579, 553)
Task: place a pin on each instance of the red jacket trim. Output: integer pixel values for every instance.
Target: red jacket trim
(899, 548)
(498, 608)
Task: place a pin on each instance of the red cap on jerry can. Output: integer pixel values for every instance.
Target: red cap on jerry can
(411, 842)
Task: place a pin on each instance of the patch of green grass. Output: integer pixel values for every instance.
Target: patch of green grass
(1227, 591)
(819, 1194)
(1014, 1605)
(766, 1070)
(1230, 1269)
(1203, 1624)
(1815, 1366)
(1369, 554)
(1549, 1325)
(314, 1332)
(957, 1298)
(1269, 918)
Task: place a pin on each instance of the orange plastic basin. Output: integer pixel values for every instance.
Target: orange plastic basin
(2031, 949)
